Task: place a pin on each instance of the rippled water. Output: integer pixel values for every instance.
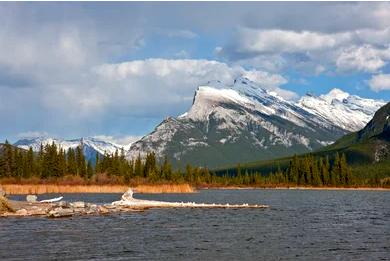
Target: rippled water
(300, 225)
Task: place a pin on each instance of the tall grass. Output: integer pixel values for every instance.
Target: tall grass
(165, 188)
(21, 189)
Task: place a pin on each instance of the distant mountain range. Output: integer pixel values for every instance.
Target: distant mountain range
(367, 151)
(244, 122)
(91, 146)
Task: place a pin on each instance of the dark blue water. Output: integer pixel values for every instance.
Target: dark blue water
(300, 225)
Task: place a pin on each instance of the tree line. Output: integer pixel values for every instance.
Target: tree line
(52, 162)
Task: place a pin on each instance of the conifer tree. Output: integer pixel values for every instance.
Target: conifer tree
(335, 173)
(188, 173)
(89, 170)
(343, 169)
(30, 166)
(138, 166)
(316, 179)
(71, 162)
(97, 163)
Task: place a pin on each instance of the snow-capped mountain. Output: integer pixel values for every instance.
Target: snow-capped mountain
(91, 145)
(342, 109)
(243, 122)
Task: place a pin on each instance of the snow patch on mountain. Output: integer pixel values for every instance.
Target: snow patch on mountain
(155, 141)
(91, 145)
(207, 99)
(339, 108)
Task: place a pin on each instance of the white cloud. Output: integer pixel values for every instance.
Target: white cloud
(379, 82)
(33, 134)
(363, 58)
(180, 33)
(360, 50)
(125, 141)
(267, 80)
(271, 41)
(166, 84)
(182, 54)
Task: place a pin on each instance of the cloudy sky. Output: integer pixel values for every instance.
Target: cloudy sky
(117, 69)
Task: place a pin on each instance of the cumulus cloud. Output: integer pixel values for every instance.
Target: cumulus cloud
(271, 41)
(33, 134)
(363, 50)
(380, 82)
(364, 58)
(124, 141)
(166, 84)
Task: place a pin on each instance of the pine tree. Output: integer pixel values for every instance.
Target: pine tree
(89, 170)
(343, 170)
(188, 174)
(97, 163)
(324, 171)
(293, 170)
(30, 166)
(238, 170)
(138, 166)
(335, 173)
(81, 162)
(71, 162)
(316, 179)
(166, 169)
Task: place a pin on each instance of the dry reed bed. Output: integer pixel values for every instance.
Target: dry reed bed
(16, 189)
(165, 188)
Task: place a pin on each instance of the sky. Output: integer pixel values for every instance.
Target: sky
(115, 70)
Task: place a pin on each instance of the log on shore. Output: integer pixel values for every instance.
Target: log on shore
(126, 204)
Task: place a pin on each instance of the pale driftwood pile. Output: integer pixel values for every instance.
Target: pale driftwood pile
(126, 204)
(128, 201)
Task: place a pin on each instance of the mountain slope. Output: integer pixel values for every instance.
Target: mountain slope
(350, 112)
(367, 150)
(91, 146)
(370, 144)
(243, 122)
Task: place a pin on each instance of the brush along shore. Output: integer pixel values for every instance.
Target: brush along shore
(24, 189)
(37, 189)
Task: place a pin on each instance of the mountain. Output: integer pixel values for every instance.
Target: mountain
(349, 112)
(367, 151)
(244, 122)
(91, 146)
(370, 144)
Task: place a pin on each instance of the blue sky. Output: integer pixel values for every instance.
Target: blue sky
(117, 69)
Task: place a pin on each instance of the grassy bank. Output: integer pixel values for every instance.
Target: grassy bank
(21, 189)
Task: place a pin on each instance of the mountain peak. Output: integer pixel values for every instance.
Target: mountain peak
(242, 80)
(207, 98)
(335, 94)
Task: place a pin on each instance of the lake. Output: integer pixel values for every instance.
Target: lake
(299, 225)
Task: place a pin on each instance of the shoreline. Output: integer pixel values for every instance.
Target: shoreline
(298, 188)
(23, 189)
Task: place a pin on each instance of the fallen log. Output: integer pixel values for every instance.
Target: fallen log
(127, 200)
